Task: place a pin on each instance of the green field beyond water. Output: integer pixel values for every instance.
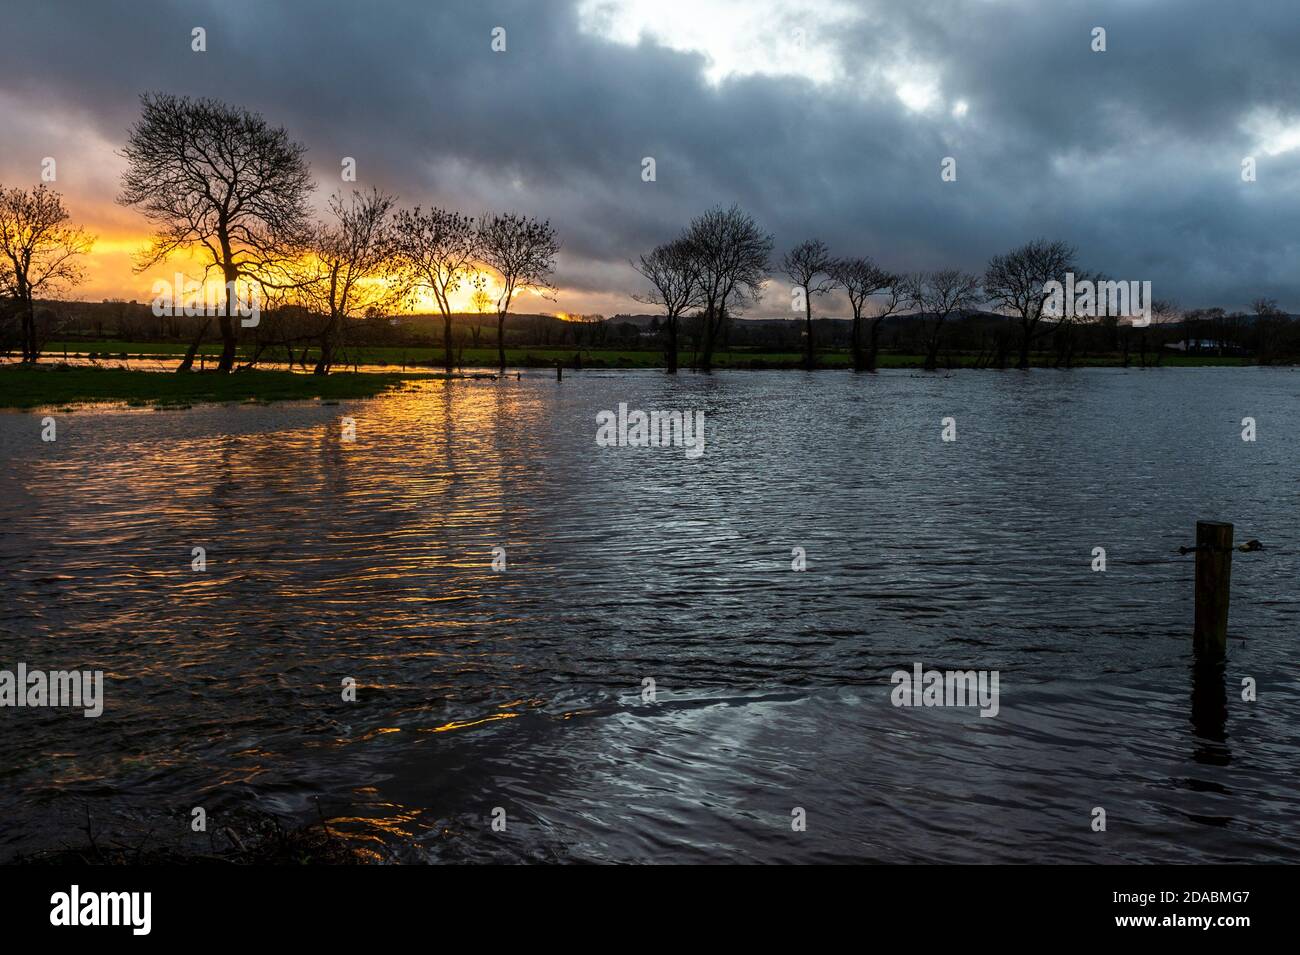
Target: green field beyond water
(537, 356)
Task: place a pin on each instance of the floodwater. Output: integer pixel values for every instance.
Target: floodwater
(521, 695)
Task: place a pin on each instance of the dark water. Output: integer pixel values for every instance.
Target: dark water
(523, 689)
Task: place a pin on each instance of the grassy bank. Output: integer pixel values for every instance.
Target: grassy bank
(61, 385)
(538, 357)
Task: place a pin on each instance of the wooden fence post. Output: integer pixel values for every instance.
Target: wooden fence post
(1213, 585)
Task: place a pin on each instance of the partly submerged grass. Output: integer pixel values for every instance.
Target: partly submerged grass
(24, 386)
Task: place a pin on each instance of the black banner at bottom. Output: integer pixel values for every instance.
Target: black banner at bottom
(334, 905)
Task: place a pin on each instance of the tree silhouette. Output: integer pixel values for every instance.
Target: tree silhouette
(217, 180)
(673, 271)
(522, 252)
(38, 251)
(436, 250)
(809, 266)
(731, 252)
(861, 278)
(349, 268)
(939, 294)
(1015, 281)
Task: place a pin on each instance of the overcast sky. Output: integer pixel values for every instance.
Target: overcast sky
(824, 119)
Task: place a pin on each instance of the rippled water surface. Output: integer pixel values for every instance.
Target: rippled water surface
(523, 689)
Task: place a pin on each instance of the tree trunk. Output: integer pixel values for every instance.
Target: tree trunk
(501, 340)
(706, 354)
(671, 355)
(446, 342)
(874, 346)
(326, 358)
(29, 331)
(1026, 331)
(227, 363)
(858, 363)
(932, 353)
(808, 331)
(326, 347)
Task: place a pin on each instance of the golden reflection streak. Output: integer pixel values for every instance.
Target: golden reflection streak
(463, 724)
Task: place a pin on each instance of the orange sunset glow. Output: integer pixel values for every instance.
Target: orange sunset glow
(110, 273)
(87, 174)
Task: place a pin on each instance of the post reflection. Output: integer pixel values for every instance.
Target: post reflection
(1210, 711)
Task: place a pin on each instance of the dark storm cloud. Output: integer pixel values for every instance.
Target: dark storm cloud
(1134, 154)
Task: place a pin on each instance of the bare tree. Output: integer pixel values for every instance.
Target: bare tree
(673, 271)
(1015, 281)
(861, 278)
(1072, 319)
(216, 179)
(938, 295)
(731, 252)
(38, 251)
(1262, 307)
(522, 252)
(1270, 321)
(350, 266)
(809, 267)
(437, 250)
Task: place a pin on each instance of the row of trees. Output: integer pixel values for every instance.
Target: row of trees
(721, 261)
(220, 182)
(982, 338)
(373, 257)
